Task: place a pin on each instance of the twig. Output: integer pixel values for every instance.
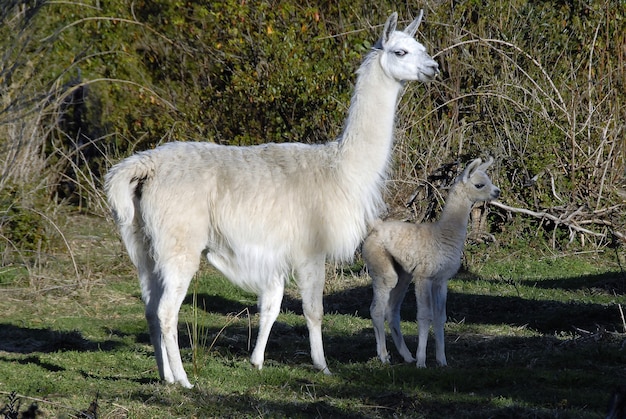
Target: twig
(228, 322)
(40, 400)
(621, 312)
(69, 248)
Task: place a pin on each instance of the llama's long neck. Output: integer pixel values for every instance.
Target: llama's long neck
(368, 130)
(454, 218)
(366, 142)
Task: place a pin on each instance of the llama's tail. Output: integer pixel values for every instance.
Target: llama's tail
(123, 188)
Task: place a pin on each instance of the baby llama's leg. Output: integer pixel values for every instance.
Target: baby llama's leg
(377, 312)
(393, 315)
(423, 292)
(384, 278)
(440, 295)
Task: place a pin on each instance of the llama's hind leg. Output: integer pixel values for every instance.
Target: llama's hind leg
(175, 276)
(152, 291)
(310, 277)
(423, 293)
(269, 302)
(440, 294)
(393, 316)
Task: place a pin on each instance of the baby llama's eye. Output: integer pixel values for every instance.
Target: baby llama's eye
(400, 53)
(479, 185)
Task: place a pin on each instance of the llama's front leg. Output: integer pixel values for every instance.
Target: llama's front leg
(423, 293)
(310, 277)
(393, 316)
(440, 295)
(269, 306)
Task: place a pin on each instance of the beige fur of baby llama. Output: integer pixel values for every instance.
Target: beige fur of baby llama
(397, 253)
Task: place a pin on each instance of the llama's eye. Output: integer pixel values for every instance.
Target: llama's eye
(400, 53)
(480, 185)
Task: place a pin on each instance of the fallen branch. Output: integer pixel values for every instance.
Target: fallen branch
(567, 221)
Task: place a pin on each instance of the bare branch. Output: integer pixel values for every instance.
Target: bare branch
(567, 221)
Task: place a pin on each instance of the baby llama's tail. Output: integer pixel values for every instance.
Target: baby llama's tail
(375, 223)
(123, 189)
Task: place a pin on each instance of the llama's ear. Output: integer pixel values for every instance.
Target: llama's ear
(483, 167)
(390, 27)
(470, 169)
(411, 30)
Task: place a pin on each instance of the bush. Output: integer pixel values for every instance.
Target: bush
(544, 97)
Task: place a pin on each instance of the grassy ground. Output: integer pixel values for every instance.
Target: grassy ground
(528, 335)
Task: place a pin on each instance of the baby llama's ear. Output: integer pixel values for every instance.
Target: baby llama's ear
(483, 167)
(411, 30)
(390, 27)
(470, 169)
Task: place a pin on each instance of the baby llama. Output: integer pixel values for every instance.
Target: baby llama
(261, 213)
(397, 253)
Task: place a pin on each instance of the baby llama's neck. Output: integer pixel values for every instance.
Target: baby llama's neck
(454, 218)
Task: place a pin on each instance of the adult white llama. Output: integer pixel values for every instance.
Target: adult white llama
(260, 213)
(429, 253)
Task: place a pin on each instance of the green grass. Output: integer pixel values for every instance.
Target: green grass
(527, 336)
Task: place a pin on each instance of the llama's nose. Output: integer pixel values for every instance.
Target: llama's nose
(432, 64)
(496, 194)
(435, 67)
(431, 69)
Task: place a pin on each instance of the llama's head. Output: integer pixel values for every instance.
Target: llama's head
(403, 58)
(477, 185)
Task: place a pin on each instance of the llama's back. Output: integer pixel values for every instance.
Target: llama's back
(255, 209)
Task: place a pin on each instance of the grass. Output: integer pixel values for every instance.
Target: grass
(528, 335)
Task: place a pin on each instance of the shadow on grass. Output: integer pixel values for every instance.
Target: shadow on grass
(35, 360)
(610, 282)
(25, 340)
(218, 304)
(244, 405)
(499, 376)
(544, 316)
(508, 389)
(548, 317)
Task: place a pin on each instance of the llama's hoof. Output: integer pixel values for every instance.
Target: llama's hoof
(182, 382)
(326, 371)
(257, 361)
(185, 383)
(385, 359)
